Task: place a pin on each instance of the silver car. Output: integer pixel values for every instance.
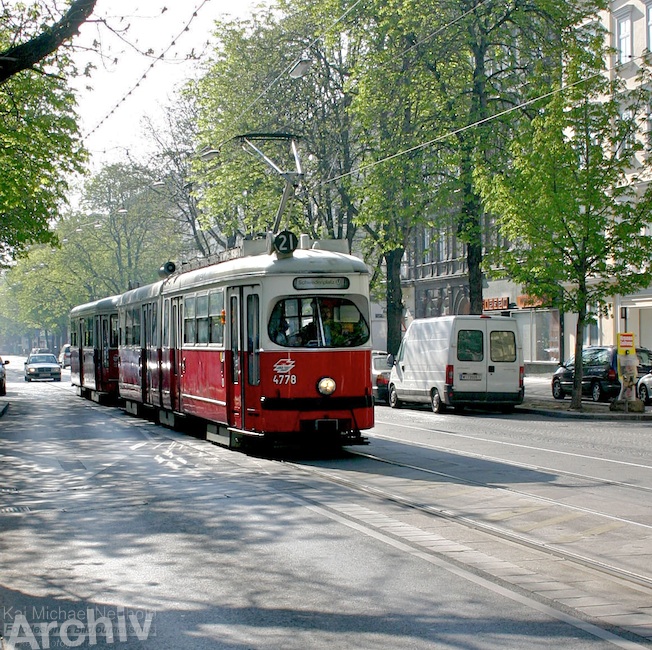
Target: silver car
(42, 366)
(644, 388)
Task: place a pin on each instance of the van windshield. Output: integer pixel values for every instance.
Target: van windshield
(317, 322)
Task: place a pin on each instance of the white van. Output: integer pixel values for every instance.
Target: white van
(459, 361)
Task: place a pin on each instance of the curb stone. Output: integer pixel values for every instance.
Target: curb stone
(535, 409)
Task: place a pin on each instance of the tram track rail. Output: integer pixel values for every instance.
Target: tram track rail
(496, 531)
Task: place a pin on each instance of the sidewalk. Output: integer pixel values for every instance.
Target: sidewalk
(539, 399)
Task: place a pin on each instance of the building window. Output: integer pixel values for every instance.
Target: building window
(629, 136)
(624, 38)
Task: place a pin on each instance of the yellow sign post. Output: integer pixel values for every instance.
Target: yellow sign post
(627, 366)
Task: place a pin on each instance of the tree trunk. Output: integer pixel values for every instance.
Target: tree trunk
(394, 299)
(469, 226)
(576, 398)
(474, 260)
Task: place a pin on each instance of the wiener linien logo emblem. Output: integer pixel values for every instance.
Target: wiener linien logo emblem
(284, 366)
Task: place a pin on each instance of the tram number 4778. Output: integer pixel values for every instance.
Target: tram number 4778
(285, 380)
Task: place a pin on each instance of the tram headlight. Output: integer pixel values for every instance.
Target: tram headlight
(326, 386)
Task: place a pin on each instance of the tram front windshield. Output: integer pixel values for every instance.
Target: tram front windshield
(317, 322)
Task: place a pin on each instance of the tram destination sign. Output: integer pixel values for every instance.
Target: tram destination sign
(320, 283)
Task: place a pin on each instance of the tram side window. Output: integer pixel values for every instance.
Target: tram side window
(189, 324)
(88, 332)
(202, 319)
(166, 323)
(132, 327)
(317, 322)
(216, 316)
(152, 320)
(73, 335)
(114, 331)
(128, 327)
(253, 339)
(136, 328)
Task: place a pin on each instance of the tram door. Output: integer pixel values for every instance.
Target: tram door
(148, 350)
(79, 330)
(251, 379)
(178, 363)
(243, 384)
(103, 352)
(234, 360)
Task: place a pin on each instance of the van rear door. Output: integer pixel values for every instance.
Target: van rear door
(503, 361)
(470, 358)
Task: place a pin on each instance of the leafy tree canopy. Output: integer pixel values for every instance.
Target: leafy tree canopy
(571, 204)
(40, 145)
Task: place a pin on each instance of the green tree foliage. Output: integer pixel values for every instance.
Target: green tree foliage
(132, 232)
(576, 218)
(174, 151)
(434, 98)
(119, 242)
(247, 89)
(40, 148)
(39, 140)
(394, 113)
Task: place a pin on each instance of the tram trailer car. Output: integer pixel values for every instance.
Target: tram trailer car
(271, 346)
(94, 349)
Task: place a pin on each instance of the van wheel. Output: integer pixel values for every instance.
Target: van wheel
(393, 399)
(435, 402)
(596, 392)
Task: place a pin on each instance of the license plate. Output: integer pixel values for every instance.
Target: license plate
(470, 376)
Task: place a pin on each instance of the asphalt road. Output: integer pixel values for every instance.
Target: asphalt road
(117, 533)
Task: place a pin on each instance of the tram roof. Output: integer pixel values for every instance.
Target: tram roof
(141, 294)
(103, 305)
(301, 262)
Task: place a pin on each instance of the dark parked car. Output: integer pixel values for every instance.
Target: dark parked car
(3, 377)
(600, 376)
(380, 371)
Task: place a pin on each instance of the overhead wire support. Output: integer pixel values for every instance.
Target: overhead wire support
(291, 178)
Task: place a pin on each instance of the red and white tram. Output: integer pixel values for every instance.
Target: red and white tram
(273, 345)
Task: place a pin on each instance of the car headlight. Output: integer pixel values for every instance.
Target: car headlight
(326, 386)
(31, 370)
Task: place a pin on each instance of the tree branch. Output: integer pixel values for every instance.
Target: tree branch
(26, 55)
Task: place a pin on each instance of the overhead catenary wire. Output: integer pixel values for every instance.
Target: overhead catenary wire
(462, 129)
(158, 59)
